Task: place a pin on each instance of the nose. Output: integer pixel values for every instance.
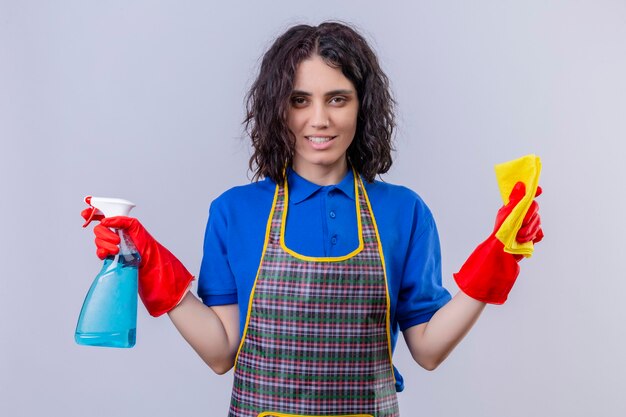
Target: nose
(320, 118)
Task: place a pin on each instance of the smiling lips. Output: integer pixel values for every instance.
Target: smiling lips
(320, 139)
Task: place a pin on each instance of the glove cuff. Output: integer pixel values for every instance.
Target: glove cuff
(489, 273)
(163, 282)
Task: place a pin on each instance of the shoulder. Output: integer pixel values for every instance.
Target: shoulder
(394, 196)
(246, 193)
(247, 196)
(386, 189)
(397, 208)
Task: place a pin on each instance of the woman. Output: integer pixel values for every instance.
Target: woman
(309, 273)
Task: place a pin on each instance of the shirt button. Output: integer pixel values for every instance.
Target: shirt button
(333, 240)
(332, 214)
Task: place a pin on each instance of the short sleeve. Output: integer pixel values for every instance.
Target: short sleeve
(216, 282)
(421, 292)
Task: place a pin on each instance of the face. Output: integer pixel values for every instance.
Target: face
(323, 116)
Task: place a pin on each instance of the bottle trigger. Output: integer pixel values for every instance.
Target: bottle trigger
(92, 213)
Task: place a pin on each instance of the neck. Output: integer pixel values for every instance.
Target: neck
(322, 175)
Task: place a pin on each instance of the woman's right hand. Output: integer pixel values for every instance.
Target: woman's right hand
(107, 240)
(213, 332)
(163, 279)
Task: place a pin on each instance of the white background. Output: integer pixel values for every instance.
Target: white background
(144, 100)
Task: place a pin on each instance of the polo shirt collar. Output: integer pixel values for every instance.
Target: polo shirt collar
(300, 188)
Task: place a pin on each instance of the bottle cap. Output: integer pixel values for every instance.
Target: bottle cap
(106, 207)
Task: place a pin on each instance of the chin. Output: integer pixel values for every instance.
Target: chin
(325, 162)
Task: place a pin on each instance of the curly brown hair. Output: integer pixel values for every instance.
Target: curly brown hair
(267, 102)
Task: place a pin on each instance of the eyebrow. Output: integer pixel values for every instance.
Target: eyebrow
(330, 93)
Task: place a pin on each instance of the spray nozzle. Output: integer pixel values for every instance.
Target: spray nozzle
(100, 207)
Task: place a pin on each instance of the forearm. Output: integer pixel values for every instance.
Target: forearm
(431, 343)
(211, 331)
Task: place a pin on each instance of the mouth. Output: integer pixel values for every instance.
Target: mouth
(320, 139)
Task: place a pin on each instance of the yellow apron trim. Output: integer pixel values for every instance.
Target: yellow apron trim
(527, 170)
(271, 414)
(268, 230)
(323, 259)
(382, 260)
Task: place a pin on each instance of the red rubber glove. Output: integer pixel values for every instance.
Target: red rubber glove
(489, 273)
(163, 279)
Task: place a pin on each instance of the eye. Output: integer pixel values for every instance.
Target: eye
(338, 100)
(298, 101)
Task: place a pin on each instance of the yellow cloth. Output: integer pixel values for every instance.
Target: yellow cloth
(525, 169)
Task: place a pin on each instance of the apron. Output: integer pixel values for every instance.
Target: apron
(316, 340)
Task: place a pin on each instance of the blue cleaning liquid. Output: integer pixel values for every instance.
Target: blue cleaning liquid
(109, 314)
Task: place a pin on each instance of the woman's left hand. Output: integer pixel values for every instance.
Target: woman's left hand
(489, 273)
(531, 226)
(530, 231)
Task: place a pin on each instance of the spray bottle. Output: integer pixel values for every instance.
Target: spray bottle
(109, 314)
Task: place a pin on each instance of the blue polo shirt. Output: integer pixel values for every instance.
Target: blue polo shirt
(321, 222)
